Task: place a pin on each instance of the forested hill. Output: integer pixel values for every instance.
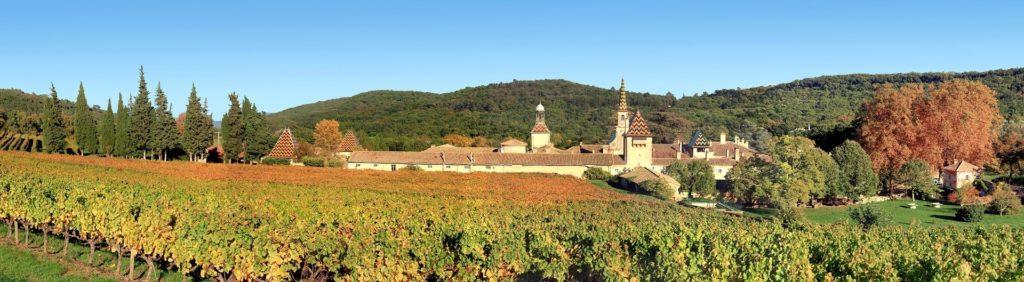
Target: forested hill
(404, 120)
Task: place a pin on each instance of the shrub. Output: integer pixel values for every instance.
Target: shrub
(1004, 201)
(313, 161)
(868, 217)
(276, 161)
(658, 189)
(970, 213)
(595, 173)
(335, 163)
(791, 217)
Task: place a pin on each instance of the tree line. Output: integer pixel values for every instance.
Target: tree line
(148, 130)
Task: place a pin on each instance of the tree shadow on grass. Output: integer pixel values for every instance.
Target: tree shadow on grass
(942, 216)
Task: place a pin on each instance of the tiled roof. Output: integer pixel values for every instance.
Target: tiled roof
(686, 159)
(549, 149)
(698, 140)
(513, 142)
(422, 158)
(349, 143)
(720, 149)
(665, 150)
(961, 166)
(638, 127)
(448, 148)
(540, 127)
(640, 174)
(286, 146)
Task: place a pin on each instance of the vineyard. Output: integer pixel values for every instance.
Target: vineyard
(10, 141)
(285, 223)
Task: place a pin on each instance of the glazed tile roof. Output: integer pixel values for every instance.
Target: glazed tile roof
(286, 146)
(638, 127)
(698, 140)
(540, 127)
(349, 143)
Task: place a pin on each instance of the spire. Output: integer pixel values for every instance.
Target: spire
(540, 126)
(622, 97)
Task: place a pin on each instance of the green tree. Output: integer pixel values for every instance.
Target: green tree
(107, 130)
(231, 130)
(856, 176)
(915, 177)
(140, 134)
(694, 177)
(53, 124)
(122, 121)
(85, 125)
(755, 181)
(199, 131)
(810, 172)
(165, 130)
(657, 188)
(257, 138)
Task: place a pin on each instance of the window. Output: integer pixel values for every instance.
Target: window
(467, 167)
(488, 167)
(430, 166)
(357, 165)
(447, 166)
(374, 165)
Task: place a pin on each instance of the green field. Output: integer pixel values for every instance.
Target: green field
(924, 214)
(21, 263)
(900, 214)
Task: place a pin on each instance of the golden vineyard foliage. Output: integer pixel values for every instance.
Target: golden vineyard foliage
(282, 223)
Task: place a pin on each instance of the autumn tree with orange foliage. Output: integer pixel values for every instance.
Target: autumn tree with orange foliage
(327, 137)
(935, 123)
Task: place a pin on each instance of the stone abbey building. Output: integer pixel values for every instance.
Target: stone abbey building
(630, 147)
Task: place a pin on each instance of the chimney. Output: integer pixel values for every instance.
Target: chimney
(721, 137)
(737, 155)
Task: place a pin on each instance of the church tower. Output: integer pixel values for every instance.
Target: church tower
(540, 136)
(617, 144)
(639, 149)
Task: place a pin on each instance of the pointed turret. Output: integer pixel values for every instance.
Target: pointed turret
(623, 106)
(638, 149)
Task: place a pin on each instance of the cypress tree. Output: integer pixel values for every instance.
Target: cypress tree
(165, 131)
(140, 135)
(231, 130)
(53, 124)
(198, 133)
(257, 139)
(107, 131)
(85, 125)
(122, 144)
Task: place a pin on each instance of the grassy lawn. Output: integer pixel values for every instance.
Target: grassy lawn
(923, 215)
(21, 265)
(29, 263)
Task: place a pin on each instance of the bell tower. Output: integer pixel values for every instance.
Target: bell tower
(540, 136)
(617, 145)
(639, 147)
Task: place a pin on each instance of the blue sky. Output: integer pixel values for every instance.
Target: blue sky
(286, 54)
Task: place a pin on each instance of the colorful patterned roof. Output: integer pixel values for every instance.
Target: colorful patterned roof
(698, 140)
(638, 127)
(286, 146)
(349, 143)
(540, 127)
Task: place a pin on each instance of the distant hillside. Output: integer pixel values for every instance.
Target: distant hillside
(406, 120)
